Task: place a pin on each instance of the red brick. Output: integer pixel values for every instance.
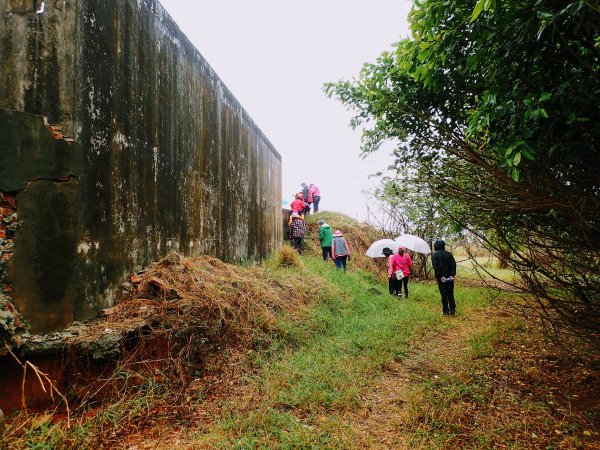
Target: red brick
(135, 278)
(10, 199)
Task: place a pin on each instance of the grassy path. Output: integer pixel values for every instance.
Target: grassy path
(355, 368)
(339, 378)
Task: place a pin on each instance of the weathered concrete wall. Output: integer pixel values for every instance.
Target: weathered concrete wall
(167, 159)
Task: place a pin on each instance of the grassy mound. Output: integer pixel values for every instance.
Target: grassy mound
(360, 236)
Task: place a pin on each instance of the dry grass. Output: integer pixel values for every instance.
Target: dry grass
(359, 236)
(187, 328)
(288, 257)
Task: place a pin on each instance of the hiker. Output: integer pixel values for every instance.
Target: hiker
(297, 231)
(400, 268)
(300, 216)
(316, 195)
(325, 237)
(339, 250)
(392, 282)
(307, 197)
(444, 267)
(298, 204)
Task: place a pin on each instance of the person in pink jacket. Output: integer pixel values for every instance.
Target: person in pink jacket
(392, 281)
(400, 264)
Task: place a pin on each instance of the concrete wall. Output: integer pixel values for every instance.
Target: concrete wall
(161, 156)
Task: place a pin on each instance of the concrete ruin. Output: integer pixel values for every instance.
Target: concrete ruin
(118, 145)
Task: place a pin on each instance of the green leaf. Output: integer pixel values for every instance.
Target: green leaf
(545, 96)
(478, 9)
(544, 15)
(424, 55)
(515, 174)
(517, 159)
(543, 113)
(527, 153)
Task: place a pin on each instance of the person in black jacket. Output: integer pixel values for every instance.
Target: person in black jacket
(444, 267)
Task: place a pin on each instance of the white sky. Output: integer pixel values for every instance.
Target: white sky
(275, 55)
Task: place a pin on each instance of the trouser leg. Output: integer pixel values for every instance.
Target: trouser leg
(450, 296)
(405, 283)
(392, 285)
(326, 252)
(297, 243)
(316, 204)
(442, 289)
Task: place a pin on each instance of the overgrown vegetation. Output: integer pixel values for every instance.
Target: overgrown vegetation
(312, 357)
(495, 108)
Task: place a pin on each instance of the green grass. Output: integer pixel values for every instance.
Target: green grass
(322, 360)
(471, 269)
(322, 364)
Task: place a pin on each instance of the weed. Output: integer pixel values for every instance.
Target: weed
(287, 257)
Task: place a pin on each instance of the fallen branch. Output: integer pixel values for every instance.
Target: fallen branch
(42, 378)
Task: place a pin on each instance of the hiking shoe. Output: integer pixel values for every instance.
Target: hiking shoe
(452, 312)
(399, 296)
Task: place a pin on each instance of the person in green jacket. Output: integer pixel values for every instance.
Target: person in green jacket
(325, 237)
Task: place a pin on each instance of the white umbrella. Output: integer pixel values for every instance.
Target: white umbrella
(376, 248)
(414, 243)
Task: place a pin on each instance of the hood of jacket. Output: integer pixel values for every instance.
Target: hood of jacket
(325, 225)
(439, 245)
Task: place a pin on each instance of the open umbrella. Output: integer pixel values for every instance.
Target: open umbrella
(376, 248)
(414, 243)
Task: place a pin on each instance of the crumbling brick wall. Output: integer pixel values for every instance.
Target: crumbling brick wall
(10, 320)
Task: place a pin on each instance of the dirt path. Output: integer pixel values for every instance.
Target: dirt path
(381, 420)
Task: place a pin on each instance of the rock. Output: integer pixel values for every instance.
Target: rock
(127, 286)
(108, 346)
(172, 259)
(108, 311)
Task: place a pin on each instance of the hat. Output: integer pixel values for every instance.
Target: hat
(387, 251)
(321, 222)
(303, 184)
(338, 233)
(295, 214)
(401, 248)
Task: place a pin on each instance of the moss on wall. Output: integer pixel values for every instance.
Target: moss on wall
(169, 158)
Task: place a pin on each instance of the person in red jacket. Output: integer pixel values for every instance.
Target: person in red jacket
(307, 196)
(298, 204)
(399, 267)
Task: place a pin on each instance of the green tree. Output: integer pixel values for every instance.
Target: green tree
(496, 102)
(404, 204)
